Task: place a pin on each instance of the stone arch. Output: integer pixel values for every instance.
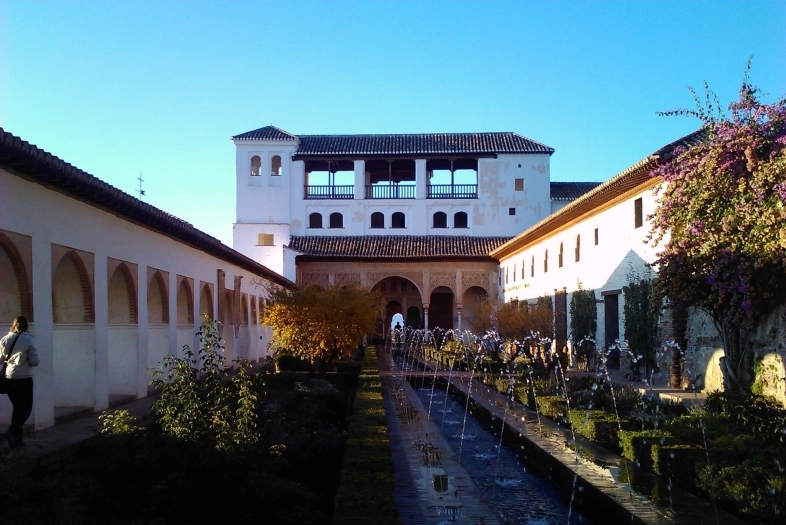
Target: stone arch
(256, 166)
(377, 284)
(472, 301)
(206, 301)
(157, 300)
(15, 294)
(336, 220)
(185, 303)
(377, 220)
(460, 220)
(123, 308)
(275, 166)
(244, 308)
(72, 293)
(315, 220)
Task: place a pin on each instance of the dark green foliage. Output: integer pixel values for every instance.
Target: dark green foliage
(553, 407)
(366, 490)
(678, 462)
(583, 324)
(637, 445)
(642, 312)
(286, 362)
(759, 416)
(597, 425)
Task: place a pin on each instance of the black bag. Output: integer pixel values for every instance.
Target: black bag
(3, 380)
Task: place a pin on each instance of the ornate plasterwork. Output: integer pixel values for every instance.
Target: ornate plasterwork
(437, 279)
(470, 279)
(314, 278)
(373, 278)
(343, 278)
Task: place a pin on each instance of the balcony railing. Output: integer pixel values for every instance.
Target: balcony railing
(390, 191)
(328, 192)
(453, 191)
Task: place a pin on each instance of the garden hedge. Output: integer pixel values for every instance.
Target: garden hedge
(598, 426)
(365, 493)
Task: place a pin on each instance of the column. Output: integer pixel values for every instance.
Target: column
(459, 306)
(360, 179)
(144, 336)
(101, 301)
(42, 329)
(173, 289)
(421, 181)
(425, 316)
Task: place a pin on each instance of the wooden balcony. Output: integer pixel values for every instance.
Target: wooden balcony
(390, 191)
(453, 191)
(328, 192)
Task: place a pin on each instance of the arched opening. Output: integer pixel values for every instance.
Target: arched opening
(315, 220)
(440, 220)
(256, 166)
(157, 300)
(15, 297)
(532, 267)
(185, 304)
(206, 302)
(244, 307)
(227, 327)
(391, 309)
(440, 311)
(398, 220)
(253, 309)
(377, 220)
(72, 296)
(578, 248)
(402, 292)
(275, 166)
(413, 317)
(460, 220)
(475, 311)
(336, 220)
(122, 297)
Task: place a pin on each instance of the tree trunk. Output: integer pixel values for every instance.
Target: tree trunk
(736, 365)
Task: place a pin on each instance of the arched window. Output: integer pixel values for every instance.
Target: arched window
(275, 166)
(514, 272)
(546, 262)
(336, 220)
(559, 258)
(440, 220)
(377, 220)
(532, 267)
(460, 220)
(256, 166)
(578, 248)
(185, 304)
(206, 301)
(523, 274)
(122, 297)
(72, 295)
(157, 300)
(315, 220)
(398, 220)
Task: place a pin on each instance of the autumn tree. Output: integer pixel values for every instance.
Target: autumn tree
(721, 216)
(325, 324)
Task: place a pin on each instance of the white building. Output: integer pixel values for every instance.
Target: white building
(110, 284)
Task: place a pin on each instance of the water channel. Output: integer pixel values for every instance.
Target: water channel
(515, 493)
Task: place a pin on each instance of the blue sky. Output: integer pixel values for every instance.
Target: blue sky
(118, 88)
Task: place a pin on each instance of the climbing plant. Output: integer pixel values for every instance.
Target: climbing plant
(720, 219)
(642, 313)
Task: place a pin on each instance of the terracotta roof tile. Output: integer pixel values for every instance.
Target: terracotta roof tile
(568, 191)
(396, 246)
(266, 133)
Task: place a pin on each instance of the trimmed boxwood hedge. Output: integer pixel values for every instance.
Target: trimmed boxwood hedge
(597, 425)
(365, 493)
(553, 407)
(637, 445)
(678, 462)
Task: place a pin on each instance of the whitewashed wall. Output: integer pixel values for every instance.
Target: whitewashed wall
(82, 364)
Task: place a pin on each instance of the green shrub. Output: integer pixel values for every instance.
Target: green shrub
(523, 394)
(366, 487)
(760, 416)
(597, 425)
(553, 407)
(291, 363)
(678, 462)
(637, 445)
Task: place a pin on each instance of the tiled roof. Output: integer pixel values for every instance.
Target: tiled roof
(32, 163)
(266, 133)
(396, 246)
(411, 144)
(637, 176)
(569, 191)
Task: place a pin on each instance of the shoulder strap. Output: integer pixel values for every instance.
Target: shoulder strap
(11, 350)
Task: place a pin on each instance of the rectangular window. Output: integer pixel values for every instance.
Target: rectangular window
(596, 236)
(265, 239)
(511, 211)
(639, 215)
(519, 184)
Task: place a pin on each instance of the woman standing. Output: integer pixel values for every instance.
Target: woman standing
(18, 351)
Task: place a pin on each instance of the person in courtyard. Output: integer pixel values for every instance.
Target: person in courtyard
(19, 356)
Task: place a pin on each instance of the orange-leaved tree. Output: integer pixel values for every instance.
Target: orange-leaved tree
(320, 323)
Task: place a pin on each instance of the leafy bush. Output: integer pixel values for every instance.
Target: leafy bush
(759, 416)
(553, 407)
(286, 362)
(637, 445)
(597, 425)
(678, 462)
